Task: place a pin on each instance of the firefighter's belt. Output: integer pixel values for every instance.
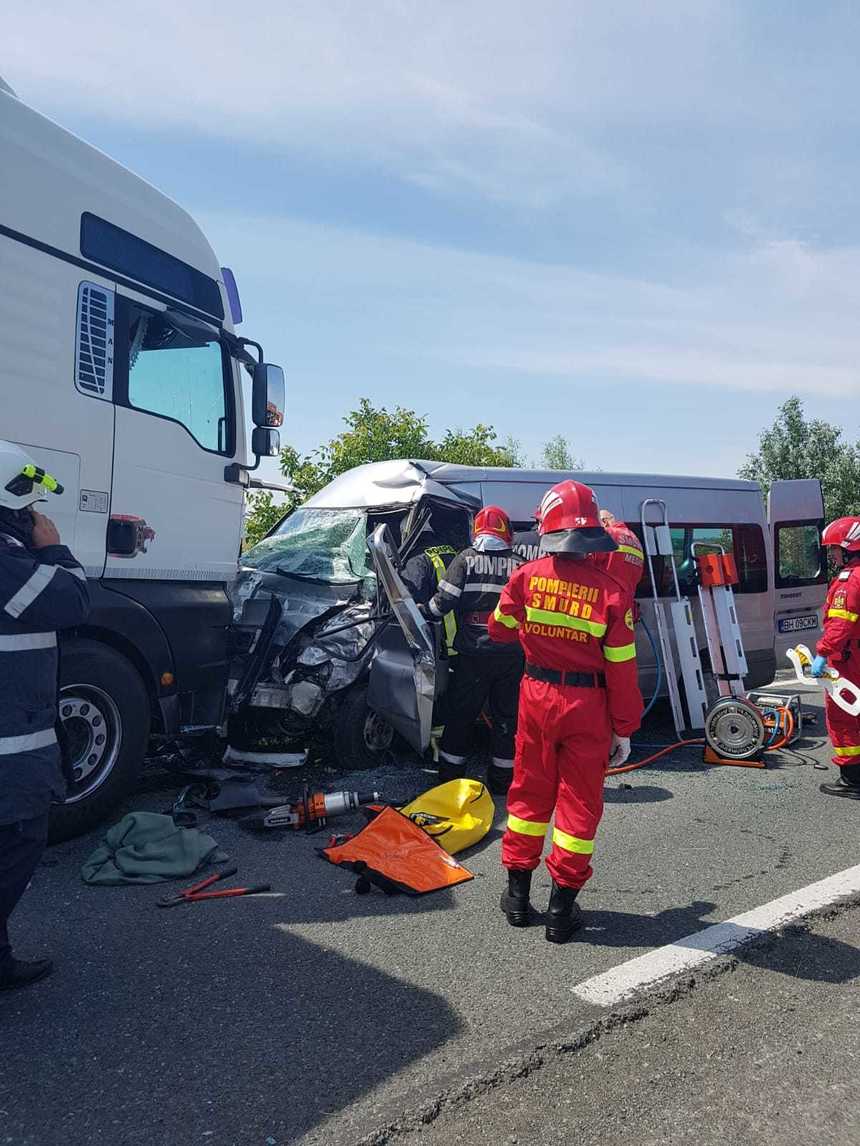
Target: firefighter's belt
(397, 855)
(573, 679)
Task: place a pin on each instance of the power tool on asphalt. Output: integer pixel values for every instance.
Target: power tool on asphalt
(739, 726)
(314, 809)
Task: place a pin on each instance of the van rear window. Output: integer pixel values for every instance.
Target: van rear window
(745, 542)
(113, 247)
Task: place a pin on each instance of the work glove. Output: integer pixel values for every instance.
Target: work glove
(818, 666)
(619, 751)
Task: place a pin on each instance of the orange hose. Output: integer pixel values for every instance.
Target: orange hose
(651, 759)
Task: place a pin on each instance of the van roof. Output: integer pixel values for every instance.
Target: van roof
(403, 481)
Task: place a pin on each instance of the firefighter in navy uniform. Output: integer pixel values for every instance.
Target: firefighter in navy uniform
(42, 589)
(484, 672)
(579, 702)
(840, 645)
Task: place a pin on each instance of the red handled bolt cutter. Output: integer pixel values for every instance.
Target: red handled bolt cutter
(198, 891)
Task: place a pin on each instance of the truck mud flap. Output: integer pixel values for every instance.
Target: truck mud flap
(402, 683)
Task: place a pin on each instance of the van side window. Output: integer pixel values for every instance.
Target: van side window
(798, 555)
(178, 375)
(745, 542)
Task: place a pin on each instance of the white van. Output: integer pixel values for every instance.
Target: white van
(315, 565)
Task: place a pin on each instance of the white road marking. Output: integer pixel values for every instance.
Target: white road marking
(621, 982)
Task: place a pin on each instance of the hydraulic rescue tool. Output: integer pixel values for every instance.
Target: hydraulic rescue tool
(739, 726)
(314, 809)
(841, 690)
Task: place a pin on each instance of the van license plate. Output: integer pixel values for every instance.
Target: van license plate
(798, 624)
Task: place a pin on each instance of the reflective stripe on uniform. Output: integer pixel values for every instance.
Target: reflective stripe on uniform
(450, 589)
(526, 827)
(618, 653)
(498, 762)
(545, 617)
(633, 552)
(847, 750)
(449, 621)
(504, 619)
(30, 590)
(11, 745)
(570, 843)
(483, 587)
(22, 642)
(77, 572)
(843, 614)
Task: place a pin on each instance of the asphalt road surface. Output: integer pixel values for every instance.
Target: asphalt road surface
(766, 1054)
(317, 1016)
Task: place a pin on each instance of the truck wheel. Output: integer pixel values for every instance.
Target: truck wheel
(362, 739)
(104, 707)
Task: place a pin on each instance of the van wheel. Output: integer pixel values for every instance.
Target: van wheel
(105, 713)
(362, 739)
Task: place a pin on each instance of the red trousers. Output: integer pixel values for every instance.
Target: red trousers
(844, 730)
(562, 751)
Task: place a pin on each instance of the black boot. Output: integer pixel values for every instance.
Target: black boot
(515, 900)
(848, 783)
(564, 915)
(450, 771)
(499, 779)
(17, 973)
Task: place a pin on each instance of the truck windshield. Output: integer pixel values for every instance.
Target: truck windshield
(327, 545)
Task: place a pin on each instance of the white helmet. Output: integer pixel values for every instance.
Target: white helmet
(21, 481)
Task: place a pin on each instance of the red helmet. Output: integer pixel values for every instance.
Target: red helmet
(493, 522)
(844, 532)
(569, 521)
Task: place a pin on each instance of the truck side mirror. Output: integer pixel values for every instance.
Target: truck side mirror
(265, 443)
(268, 396)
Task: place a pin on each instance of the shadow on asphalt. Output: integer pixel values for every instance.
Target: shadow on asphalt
(219, 1021)
(818, 958)
(636, 794)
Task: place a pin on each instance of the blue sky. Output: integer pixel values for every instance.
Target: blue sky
(632, 224)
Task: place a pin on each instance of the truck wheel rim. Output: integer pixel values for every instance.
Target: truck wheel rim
(93, 728)
(378, 733)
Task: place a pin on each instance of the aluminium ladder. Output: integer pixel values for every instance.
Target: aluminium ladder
(677, 622)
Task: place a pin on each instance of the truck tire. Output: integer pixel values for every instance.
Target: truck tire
(362, 740)
(105, 712)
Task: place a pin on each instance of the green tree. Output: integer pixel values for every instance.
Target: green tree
(372, 435)
(797, 447)
(557, 455)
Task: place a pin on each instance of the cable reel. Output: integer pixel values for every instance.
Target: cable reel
(735, 731)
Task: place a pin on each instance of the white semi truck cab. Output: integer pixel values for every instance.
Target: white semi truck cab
(121, 373)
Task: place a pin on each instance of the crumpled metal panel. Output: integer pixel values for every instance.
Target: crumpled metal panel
(402, 683)
(380, 484)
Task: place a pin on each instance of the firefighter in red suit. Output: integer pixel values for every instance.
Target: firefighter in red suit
(840, 646)
(579, 702)
(626, 563)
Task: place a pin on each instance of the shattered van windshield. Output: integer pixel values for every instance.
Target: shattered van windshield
(328, 545)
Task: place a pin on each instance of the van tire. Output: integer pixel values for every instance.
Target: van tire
(102, 696)
(361, 739)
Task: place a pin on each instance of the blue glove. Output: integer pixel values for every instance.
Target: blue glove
(818, 666)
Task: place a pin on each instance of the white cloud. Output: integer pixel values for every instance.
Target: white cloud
(752, 322)
(504, 99)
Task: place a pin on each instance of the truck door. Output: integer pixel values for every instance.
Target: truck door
(795, 511)
(402, 685)
(175, 430)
